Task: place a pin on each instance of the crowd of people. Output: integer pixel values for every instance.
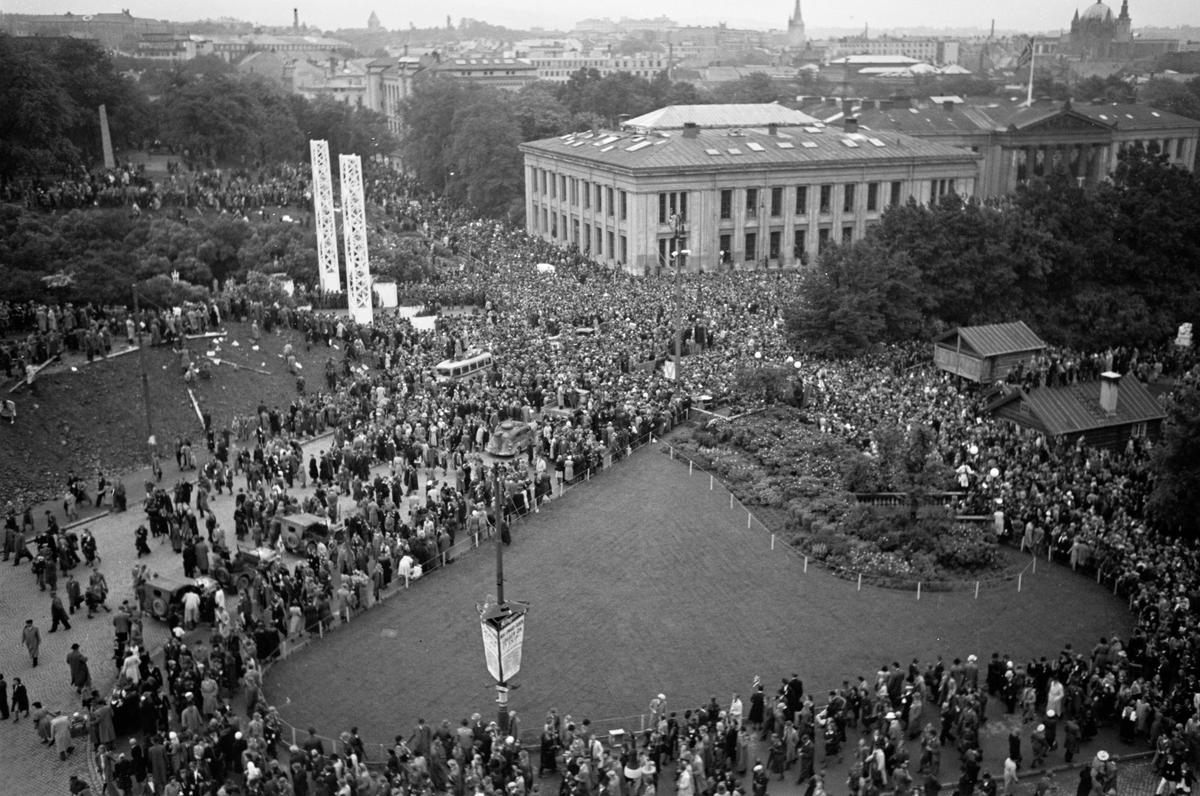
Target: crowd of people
(576, 354)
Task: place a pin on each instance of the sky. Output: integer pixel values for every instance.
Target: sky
(1025, 15)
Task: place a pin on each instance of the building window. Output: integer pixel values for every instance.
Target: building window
(599, 241)
(802, 200)
(751, 202)
(751, 246)
(624, 205)
(872, 197)
(725, 254)
(847, 233)
(822, 239)
(774, 242)
(553, 186)
(848, 198)
(543, 182)
(554, 225)
(624, 250)
(726, 204)
(826, 199)
(610, 244)
(599, 199)
(564, 188)
(776, 202)
(672, 204)
(609, 197)
(574, 191)
(799, 243)
(587, 237)
(587, 194)
(895, 200)
(664, 250)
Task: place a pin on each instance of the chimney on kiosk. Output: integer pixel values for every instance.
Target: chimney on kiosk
(1109, 392)
(295, 19)
(690, 130)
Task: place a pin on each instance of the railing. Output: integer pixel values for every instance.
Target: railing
(816, 557)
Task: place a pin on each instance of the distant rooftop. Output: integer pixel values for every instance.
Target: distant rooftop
(673, 117)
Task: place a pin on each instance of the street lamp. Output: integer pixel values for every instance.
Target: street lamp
(679, 255)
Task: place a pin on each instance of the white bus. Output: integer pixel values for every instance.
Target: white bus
(474, 365)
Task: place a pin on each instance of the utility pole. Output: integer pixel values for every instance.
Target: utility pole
(499, 543)
(137, 325)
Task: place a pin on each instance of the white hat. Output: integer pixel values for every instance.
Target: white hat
(1041, 728)
(758, 768)
(1102, 756)
(662, 696)
(971, 658)
(1050, 713)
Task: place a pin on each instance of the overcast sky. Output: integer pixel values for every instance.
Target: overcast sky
(1035, 15)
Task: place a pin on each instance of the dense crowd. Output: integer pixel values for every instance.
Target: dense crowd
(575, 354)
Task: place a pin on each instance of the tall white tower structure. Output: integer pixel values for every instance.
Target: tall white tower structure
(354, 230)
(327, 255)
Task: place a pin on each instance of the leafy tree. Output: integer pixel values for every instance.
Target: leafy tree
(539, 113)
(218, 118)
(1176, 464)
(857, 296)
(1107, 89)
(38, 113)
(754, 88)
(485, 158)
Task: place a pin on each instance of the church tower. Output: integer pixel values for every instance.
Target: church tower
(796, 38)
(1124, 24)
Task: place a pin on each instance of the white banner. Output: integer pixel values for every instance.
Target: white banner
(512, 636)
(491, 648)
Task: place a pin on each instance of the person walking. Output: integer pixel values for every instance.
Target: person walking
(3, 698)
(78, 664)
(32, 639)
(58, 614)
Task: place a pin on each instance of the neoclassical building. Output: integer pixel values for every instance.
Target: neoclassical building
(750, 197)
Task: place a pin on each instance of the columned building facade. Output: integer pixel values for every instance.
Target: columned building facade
(762, 198)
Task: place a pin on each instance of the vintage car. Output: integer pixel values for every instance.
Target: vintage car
(164, 593)
(302, 532)
(236, 572)
(511, 438)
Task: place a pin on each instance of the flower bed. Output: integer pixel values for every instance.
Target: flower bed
(803, 482)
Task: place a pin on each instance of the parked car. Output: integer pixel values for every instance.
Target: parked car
(511, 438)
(304, 531)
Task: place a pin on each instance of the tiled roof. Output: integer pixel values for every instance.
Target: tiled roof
(995, 339)
(747, 115)
(1066, 410)
(721, 150)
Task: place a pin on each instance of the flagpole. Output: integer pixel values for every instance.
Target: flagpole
(1032, 56)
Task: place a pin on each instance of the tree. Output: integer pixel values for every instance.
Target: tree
(218, 117)
(539, 113)
(38, 113)
(1176, 465)
(752, 89)
(484, 154)
(1167, 95)
(858, 295)
(1106, 89)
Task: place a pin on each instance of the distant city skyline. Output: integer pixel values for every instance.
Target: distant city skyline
(1025, 15)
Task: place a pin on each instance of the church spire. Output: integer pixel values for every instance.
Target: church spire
(797, 18)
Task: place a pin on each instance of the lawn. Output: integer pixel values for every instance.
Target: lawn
(645, 581)
(84, 417)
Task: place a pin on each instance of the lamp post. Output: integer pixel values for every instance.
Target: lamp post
(679, 254)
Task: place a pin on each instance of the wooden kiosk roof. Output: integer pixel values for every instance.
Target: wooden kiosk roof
(995, 339)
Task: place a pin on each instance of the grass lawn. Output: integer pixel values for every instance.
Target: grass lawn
(645, 581)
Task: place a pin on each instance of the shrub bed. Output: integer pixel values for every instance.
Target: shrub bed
(806, 481)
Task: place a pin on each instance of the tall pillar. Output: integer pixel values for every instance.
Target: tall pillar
(354, 230)
(327, 256)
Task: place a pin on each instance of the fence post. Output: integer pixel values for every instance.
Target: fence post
(710, 483)
(1035, 565)
(293, 736)
(347, 614)
(690, 462)
(749, 516)
(672, 451)
(860, 581)
(731, 501)
(772, 541)
(918, 590)
(976, 590)
(321, 627)
(1019, 576)
(806, 564)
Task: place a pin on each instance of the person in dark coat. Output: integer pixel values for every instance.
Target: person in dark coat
(156, 756)
(80, 676)
(20, 700)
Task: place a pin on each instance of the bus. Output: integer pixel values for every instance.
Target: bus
(472, 366)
